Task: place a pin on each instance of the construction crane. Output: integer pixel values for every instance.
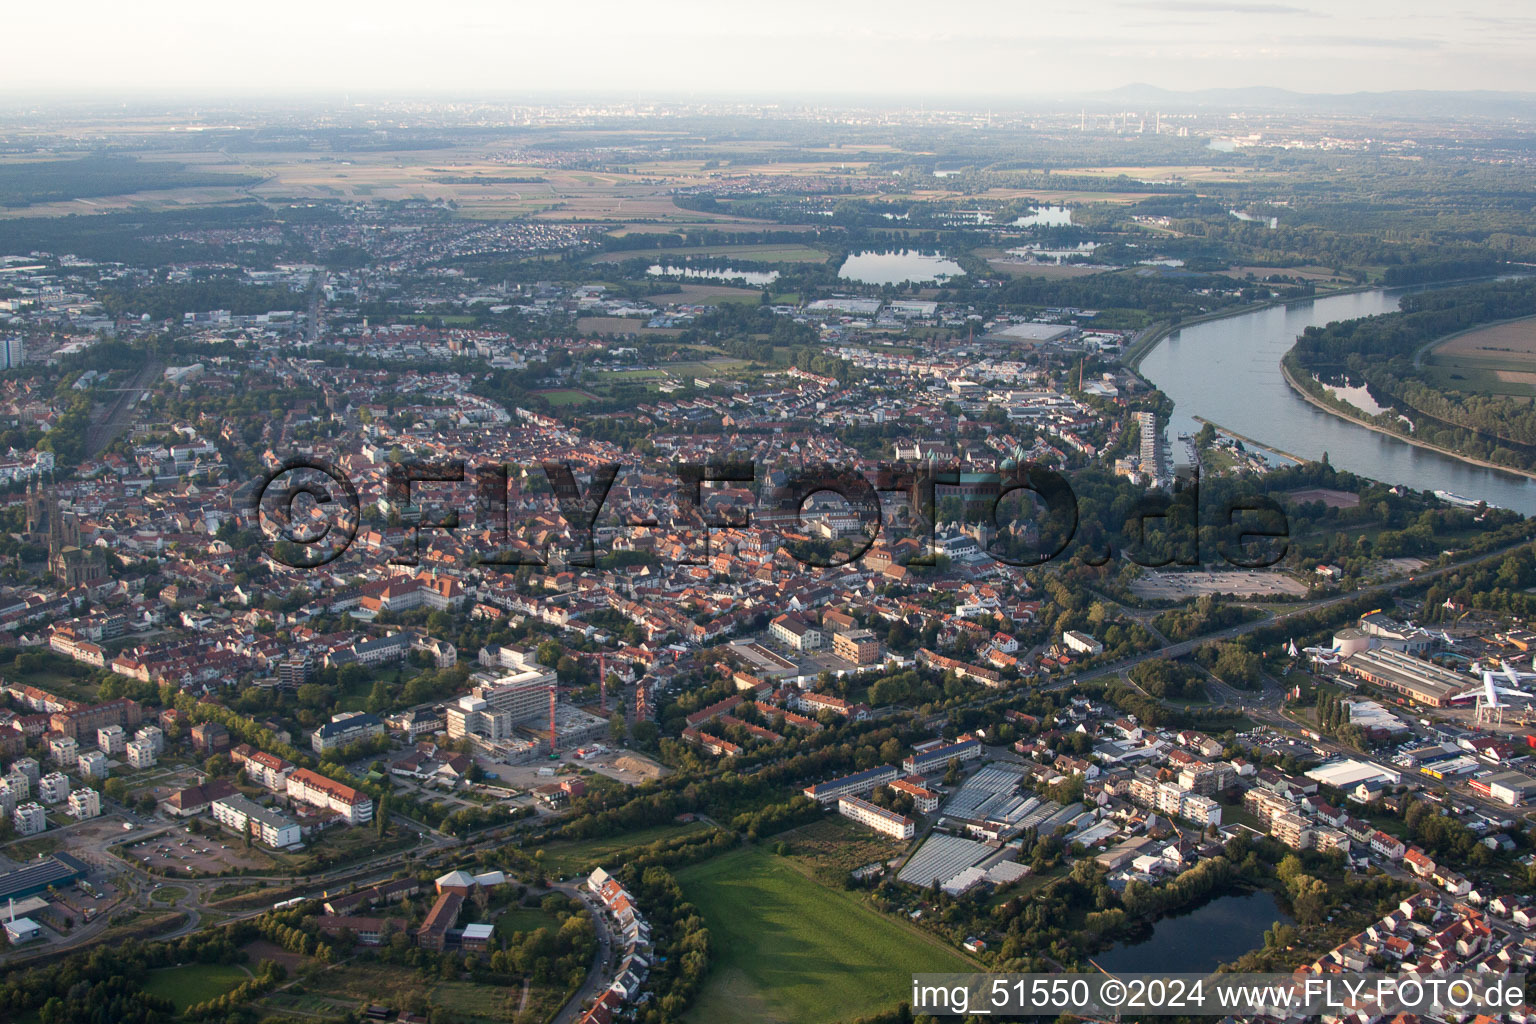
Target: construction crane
(552, 744)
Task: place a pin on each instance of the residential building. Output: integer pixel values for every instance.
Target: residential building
(924, 800)
(345, 729)
(927, 758)
(29, 819)
(84, 803)
(1082, 643)
(210, 738)
(154, 736)
(92, 764)
(53, 788)
(858, 646)
(111, 739)
(433, 933)
(268, 771)
(63, 750)
(314, 789)
(851, 785)
(247, 817)
(878, 818)
(141, 754)
(794, 632)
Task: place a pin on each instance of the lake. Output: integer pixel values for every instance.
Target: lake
(1228, 371)
(1202, 940)
(1045, 216)
(897, 267)
(758, 278)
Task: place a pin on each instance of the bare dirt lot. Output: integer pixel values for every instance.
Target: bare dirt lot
(1176, 586)
(1329, 497)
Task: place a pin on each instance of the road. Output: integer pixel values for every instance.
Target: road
(599, 976)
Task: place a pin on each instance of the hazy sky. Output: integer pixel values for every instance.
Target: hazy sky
(788, 48)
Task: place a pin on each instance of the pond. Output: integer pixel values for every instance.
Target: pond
(1217, 933)
(897, 267)
(757, 278)
(1045, 216)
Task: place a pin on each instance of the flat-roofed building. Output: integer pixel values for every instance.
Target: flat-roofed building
(84, 803)
(858, 646)
(29, 819)
(1420, 681)
(247, 817)
(111, 739)
(141, 754)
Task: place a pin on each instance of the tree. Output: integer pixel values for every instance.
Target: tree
(617, 729)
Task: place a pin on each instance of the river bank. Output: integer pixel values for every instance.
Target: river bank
(1143, 345)
(1316, 402)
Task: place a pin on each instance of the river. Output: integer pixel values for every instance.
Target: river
(1228, 371)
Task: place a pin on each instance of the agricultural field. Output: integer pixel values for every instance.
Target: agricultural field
(1499, 359)
(622, 325)
(772, 252)
(791, 949)
(705, 294)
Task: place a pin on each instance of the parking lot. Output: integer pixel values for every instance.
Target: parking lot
(185, 852)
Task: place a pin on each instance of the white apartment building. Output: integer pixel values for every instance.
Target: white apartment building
(63, 750)
(141, 754)
(248, 817)
(1082, 643)
(16, 786)
(53, 788)
(112, 739)
(268, 771)
(92, 764)
(314, 789)
(30, 819)
(84, 803)
(878, 818)
(152, 735)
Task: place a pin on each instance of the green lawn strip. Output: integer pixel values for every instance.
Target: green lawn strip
(581, 856)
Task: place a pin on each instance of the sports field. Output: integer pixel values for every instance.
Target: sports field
(789, 949)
